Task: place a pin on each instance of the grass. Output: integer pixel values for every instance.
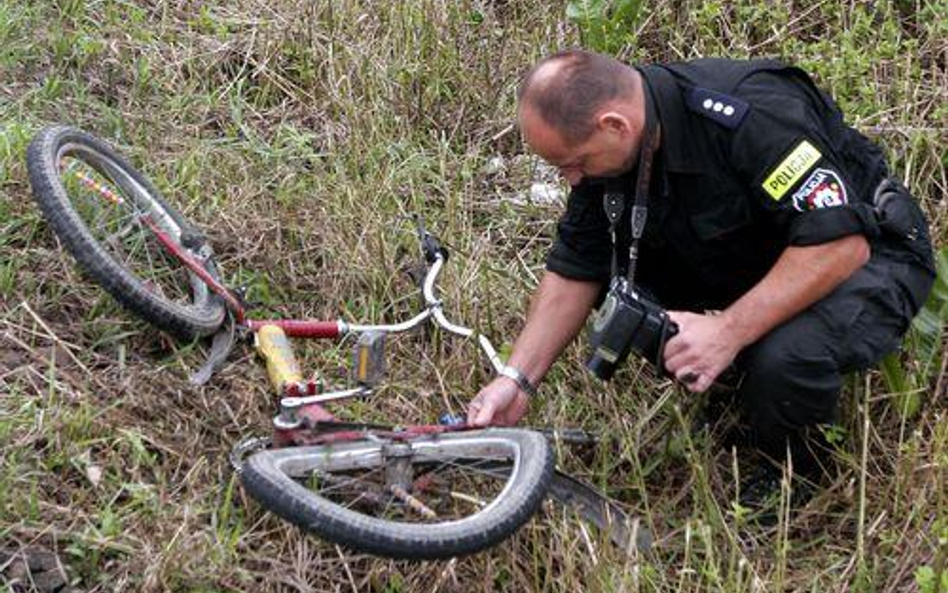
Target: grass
(299, 135)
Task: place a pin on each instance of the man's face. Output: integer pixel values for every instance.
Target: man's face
(608, 152)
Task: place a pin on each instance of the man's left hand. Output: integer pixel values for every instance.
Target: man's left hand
(701, 350)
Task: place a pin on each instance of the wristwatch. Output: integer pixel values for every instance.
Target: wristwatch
(518, 377)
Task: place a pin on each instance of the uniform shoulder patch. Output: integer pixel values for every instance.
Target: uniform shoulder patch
(800, 160)
(724, 109)
(822, 189)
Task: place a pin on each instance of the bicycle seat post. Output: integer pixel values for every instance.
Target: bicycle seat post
(282, 368)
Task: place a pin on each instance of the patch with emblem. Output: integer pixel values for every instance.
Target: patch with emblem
(822, 189)
(791, 169)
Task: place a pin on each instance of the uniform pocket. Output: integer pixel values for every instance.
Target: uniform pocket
(723, 247)
(728, 215)
(869, 315)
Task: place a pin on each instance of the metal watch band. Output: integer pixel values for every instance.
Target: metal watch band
(521, 379)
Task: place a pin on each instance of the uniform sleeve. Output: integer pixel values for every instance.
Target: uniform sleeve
(784, 152)
(582, 250)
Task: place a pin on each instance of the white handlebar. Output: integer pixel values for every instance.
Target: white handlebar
(434, 310)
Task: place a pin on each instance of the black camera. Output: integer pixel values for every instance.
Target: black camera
(626, 321)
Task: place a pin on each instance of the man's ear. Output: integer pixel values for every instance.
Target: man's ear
(614, 122)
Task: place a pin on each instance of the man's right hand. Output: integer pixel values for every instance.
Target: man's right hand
(500, 403)
(557, 312)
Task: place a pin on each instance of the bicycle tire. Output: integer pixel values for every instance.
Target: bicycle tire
(197, 312)
(272, 477)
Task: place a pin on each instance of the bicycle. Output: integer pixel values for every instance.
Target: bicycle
(421, 492)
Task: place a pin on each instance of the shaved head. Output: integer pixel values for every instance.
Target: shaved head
(568, 88)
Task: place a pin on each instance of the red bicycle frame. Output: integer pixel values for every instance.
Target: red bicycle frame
(302, 418)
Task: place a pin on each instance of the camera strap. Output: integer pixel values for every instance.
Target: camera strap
(614, 197)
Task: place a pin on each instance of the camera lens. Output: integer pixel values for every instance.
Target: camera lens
(600, 367)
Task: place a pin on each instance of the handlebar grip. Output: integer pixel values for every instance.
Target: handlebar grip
(300, 328)
(431, 247)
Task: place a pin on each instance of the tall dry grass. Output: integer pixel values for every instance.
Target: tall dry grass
(300, 135)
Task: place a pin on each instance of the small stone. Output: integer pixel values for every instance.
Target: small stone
(495, 165)
(40, 559)
(94, 474)
(48, 581)
(18, 571)
(546, 193)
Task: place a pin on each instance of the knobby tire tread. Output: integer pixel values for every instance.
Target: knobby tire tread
(49, 193)
(274, 491)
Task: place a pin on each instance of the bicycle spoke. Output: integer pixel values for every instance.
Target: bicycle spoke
(100, 197)
(464, 478)
(449, 488)
(336, 482)
(151, 263)
(369, 487)
(94, 200)
(386, 510)
(474, 465)
(100, 210)
(454, 483)
(361, 483)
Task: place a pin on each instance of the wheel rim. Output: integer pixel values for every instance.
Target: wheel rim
(423, 483)
(112, 205)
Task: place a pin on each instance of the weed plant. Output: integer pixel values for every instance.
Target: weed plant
(300, 135)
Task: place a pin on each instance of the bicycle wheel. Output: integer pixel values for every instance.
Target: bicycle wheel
(426, 498)
(101, 207)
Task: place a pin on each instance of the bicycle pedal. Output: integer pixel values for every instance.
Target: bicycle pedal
(368, 367)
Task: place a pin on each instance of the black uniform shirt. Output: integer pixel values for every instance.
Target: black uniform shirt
(753, 158)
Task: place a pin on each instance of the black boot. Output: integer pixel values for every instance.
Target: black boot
(762, 492)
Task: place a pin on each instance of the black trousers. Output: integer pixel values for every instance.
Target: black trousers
(793, 375)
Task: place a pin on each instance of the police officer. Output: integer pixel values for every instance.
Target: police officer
(763, 207)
